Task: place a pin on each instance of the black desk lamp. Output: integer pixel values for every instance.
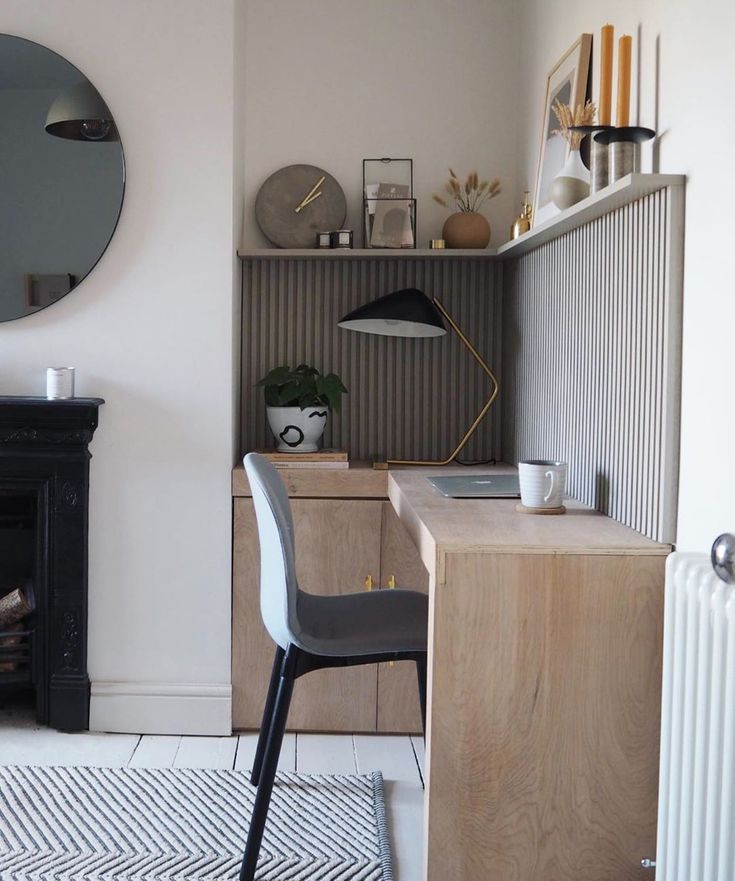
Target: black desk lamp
(410, 313)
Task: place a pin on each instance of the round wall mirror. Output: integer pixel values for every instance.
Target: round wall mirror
(62, 177)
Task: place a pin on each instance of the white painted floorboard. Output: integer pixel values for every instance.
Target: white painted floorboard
(391, 754)
(155, 751)
(246, 752)
(325, 754)
(206, 752)
(42, 746)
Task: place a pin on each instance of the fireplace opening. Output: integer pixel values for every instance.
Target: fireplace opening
(19, 616)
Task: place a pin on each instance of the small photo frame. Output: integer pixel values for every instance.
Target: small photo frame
(567, 82)
(389, 210)
(42, 289)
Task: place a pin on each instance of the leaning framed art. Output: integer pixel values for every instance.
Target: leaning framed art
(567, 82)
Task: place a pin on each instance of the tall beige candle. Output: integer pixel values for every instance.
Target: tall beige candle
(625, 50)
(607, 35)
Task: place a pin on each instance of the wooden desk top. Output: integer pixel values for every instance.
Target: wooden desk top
(438, 524)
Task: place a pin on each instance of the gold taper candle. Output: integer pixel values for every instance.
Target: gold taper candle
(604, 113)
(625, 49)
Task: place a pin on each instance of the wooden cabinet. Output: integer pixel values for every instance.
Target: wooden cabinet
(401, 567)
(340, 543)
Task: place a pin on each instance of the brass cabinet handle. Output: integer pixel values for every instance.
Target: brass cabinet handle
(368, 582)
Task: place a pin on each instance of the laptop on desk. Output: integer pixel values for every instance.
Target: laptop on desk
(478, 486)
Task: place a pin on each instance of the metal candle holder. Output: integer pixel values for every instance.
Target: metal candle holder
(599, 165)
(625, 148)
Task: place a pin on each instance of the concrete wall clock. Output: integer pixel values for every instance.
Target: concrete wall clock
(297, 202)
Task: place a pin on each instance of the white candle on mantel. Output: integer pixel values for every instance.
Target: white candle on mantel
(59, 383)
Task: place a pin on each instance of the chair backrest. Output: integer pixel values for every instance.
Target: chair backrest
(278, 586)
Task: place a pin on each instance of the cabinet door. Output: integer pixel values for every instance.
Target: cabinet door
(337, 547)
(401, 566)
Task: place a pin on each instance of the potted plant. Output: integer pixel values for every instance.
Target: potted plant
(467, 228)
(297, 404)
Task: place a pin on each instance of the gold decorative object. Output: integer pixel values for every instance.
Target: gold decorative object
(522, 223)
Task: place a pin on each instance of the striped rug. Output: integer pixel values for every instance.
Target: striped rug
(181, 824)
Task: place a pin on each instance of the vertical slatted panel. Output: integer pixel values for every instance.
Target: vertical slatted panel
(697, 772)
(591, 362)
(409, 398)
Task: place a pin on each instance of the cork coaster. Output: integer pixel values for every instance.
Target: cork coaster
(522, 509)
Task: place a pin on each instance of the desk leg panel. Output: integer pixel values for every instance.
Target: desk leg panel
(546, 673)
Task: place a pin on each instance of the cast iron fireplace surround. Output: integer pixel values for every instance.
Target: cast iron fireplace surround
(44, 455)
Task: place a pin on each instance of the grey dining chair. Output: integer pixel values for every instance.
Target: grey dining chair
(313, 632)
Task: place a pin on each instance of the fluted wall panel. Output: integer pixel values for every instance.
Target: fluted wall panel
(408, 398)
(592, 360)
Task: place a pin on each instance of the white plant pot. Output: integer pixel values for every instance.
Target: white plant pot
(297, 430)
(572, 184)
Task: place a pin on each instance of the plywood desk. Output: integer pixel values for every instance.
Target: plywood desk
(544, 689)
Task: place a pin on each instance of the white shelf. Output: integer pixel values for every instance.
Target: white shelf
(353, 253)
(627, 189)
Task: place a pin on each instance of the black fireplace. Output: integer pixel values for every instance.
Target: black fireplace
(44, 489)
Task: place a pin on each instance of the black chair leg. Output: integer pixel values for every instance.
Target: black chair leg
(421, 676)
(265, 725)
(269, 765)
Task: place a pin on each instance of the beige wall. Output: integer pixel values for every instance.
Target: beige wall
(687, 48)
(330, 82)
(150, 331)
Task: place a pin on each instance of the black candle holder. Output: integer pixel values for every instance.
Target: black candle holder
(624, 144)
(599, 152)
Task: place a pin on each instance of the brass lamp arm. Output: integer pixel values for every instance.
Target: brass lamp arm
(481, 415)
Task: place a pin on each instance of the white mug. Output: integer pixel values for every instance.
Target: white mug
(542, 483)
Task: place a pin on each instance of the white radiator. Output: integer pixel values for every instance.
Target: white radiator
(696, 811)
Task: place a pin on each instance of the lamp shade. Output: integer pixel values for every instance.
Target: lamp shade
(406, 313)
(80, 114)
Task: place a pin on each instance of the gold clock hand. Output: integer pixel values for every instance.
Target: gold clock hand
(310, 193)
(312, 198)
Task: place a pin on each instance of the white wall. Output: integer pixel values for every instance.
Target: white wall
(330, 83)
(150, 331)
(690, 109)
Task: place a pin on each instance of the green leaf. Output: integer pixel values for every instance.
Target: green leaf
(306, 370)
(276, 376)
(308, 401)
(288, 394)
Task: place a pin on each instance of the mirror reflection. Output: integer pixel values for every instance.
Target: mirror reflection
(62, 177)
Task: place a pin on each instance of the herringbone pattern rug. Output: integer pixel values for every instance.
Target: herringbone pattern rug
(134, 824)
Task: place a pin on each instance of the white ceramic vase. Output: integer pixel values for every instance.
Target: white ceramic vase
(572, 184)
(297, 430)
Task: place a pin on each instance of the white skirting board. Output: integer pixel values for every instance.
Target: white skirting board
(161, 708)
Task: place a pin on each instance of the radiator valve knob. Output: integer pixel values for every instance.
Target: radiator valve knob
(647, 863)
(723, 557)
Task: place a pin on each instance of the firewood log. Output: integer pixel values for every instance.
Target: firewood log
(16, 605)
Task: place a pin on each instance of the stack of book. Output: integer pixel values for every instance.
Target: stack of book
(320, 459)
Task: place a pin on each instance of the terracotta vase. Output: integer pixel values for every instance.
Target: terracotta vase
(466, 229)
